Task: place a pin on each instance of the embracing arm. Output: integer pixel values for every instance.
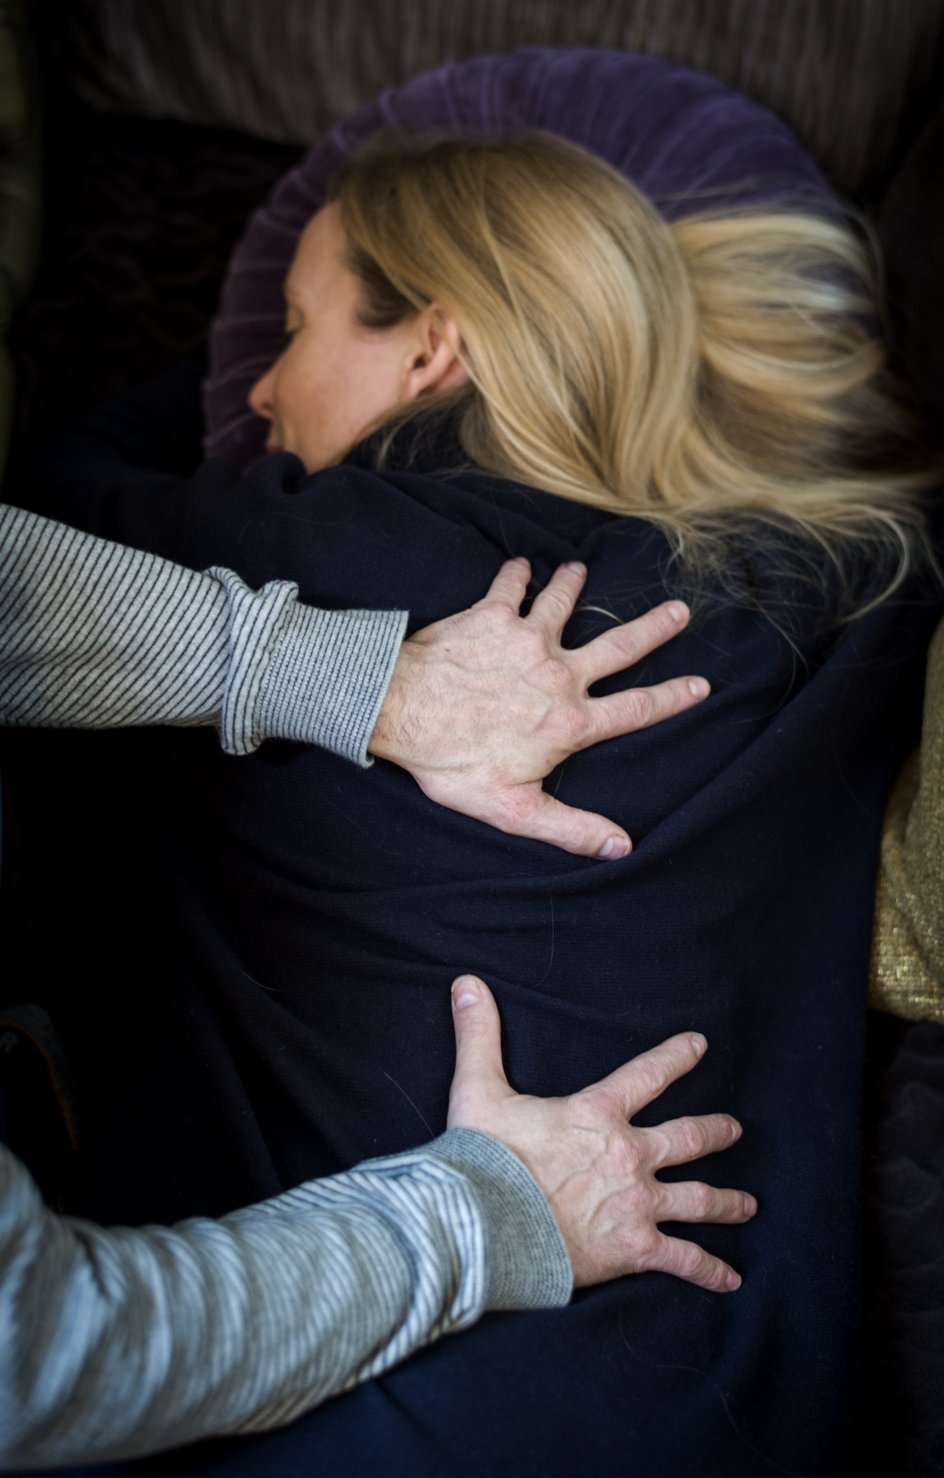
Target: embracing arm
(481, 706)
(94, 635)
(121, 1342)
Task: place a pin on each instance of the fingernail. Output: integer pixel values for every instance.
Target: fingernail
(736, 1131)
(465, 993)
(576, 566)
(750, 1205)
(677, 611)
(699, 1043)
(731, 1280)
(698, 687)
(615, 847)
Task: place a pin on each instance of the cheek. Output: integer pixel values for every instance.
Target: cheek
(331, 388)
(374, 380)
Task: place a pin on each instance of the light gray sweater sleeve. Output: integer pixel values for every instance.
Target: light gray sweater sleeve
(93, 635)
(116, 1343)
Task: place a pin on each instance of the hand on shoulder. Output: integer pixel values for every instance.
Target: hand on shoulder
(483, 705)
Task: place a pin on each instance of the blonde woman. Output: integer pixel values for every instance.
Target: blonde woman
(496, 347)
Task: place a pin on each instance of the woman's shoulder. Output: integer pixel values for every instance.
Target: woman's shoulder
(428, 539)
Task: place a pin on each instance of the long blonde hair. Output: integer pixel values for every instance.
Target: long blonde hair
(711, 375)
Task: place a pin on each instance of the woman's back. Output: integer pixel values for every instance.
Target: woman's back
(291, 1010)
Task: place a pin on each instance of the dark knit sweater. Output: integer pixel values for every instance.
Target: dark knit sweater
(277, 935)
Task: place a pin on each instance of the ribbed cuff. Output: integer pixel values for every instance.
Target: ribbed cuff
(329, 676)
(526, 1260)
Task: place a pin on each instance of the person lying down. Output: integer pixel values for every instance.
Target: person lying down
(496, 347)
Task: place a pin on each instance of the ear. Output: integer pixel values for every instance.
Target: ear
(433, 362)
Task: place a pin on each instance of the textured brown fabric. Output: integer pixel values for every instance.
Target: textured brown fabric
(839, 72)
(907, 976)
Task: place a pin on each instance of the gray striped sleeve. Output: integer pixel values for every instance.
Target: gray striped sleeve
(93, 635)
(118, 1343)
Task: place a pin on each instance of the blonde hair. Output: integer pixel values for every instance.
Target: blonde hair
(706, 374)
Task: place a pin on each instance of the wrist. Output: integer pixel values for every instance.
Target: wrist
(382, 743)
(394, 736)
(527, 1262)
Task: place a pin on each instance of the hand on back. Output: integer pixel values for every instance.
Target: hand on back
(483, 705)
(596, 1169)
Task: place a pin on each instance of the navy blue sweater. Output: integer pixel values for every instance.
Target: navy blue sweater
(274, 939)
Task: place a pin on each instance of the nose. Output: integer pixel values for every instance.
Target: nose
(260, 396)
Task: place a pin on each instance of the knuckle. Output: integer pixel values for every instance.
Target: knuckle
(689, 1260)
(556, 674)
(631, 1159)
(621, 647)
(714, 1275)
(663, 624)
(722, 1131)
(504, 807)
(703, 1199)
(637, 1203)
(605, 1102)
(651, 1074)
(648, 1248)
(496, 621)
(641, 706)
(510, 811)
(557, 590)
(576, 838)
(576, 725)
(692, 1138)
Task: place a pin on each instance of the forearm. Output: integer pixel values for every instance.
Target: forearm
(94, 635)
(121, 1343)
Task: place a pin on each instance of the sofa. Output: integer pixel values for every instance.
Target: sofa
(164, 125)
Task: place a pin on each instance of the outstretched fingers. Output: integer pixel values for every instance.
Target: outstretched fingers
(509, 586)
(694, 1201)
(689, 1261)
(641, 708)
(624, 645)
(640, 1081)
(680, 1140)
(554, 607)
(528, 811)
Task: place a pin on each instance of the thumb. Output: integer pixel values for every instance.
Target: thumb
(479, 1071)
(546, 819)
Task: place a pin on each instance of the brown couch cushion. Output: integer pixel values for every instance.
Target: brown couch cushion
(840, 73)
